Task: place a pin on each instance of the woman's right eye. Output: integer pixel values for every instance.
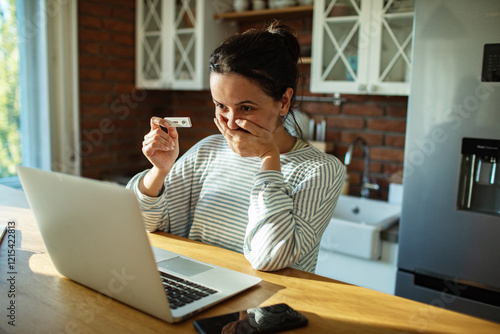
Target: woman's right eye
(220, 106)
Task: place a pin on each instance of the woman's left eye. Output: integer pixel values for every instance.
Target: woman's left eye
(246, 108)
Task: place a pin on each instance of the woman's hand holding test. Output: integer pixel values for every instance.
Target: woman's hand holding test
(161, 149)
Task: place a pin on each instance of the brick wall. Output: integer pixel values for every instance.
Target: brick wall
(115, 116)
(381, 121)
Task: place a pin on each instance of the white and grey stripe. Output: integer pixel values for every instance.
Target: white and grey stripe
(276, 219)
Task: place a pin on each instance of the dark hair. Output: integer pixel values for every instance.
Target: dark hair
(269, 57)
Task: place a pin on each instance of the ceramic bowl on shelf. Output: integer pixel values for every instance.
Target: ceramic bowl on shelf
(281, 3)
(240, 5)
(258, 4)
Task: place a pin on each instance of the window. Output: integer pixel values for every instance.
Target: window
(47, 117)
(10, 136)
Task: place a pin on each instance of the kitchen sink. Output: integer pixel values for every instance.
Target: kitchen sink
(356, 225)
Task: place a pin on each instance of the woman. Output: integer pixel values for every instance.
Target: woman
(255, 189)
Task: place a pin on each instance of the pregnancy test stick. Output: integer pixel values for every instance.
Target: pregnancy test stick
(179, 122)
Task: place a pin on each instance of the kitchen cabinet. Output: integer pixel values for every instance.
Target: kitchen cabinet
(362, 46)
(174, 41)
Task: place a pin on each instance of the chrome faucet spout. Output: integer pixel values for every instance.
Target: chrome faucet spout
(366, 185)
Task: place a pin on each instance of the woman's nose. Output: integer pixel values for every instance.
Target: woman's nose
(231, 117)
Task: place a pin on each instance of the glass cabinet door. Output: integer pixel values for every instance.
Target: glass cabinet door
(340, 30)
(174, 41)
(392, 47)
(184, 36)
(150, 40)
(362, 46)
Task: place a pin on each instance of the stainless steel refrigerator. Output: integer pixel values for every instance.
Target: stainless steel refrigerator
(449, 244)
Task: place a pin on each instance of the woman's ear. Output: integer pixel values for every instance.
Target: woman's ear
(286, 99)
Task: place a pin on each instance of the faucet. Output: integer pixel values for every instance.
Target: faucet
(365, 185)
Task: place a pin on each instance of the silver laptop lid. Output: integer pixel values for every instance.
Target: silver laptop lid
(92, 234)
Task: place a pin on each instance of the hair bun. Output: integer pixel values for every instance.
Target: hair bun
(289, 38)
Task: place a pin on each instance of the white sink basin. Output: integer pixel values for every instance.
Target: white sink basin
(356, 225)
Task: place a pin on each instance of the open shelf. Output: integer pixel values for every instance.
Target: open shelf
(266, 13)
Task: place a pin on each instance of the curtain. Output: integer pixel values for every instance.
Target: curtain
(48, 49)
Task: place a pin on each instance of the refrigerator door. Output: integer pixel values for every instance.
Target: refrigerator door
(449, 102)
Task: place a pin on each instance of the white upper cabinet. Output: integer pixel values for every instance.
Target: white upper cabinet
(174, 40)
(362, 46)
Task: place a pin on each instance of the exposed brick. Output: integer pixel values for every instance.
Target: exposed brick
(387, 125)
(123, 64)
(345, 122)
(332, 136)
(93, 87)
(394, 140)
(93, 36)
(375, 166)
(296, 23)
(97, 160)
(387, 154)
(119, 75)
(118, 26)
(354, 178)
(397, 111)
(89, 48)
(388, 99)
(304, 39)
(87, 123)
(88, 73)
(119, 51)
(90, 22)
(123, 14)
(93, 99)
(89, 173)
(94, 9)
(121, 4)
(392, 169)
(360, 109)
(322, 108)
(93, 111)
(124, 39)
(356, 98)
(94, 61)
(371, 138)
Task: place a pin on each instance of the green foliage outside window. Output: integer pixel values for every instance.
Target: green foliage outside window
(10, 137)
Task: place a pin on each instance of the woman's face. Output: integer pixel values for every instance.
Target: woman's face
(236, 97)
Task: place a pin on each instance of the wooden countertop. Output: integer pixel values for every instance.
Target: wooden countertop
(46, 302)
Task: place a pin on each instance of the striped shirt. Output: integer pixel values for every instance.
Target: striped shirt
(276, 219)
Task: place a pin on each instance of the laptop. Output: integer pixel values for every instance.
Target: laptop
(95, 235)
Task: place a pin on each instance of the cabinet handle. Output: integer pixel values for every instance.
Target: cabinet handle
(372, 88)
(361, 87)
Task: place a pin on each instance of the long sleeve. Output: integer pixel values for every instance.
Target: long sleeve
(153, 209)
(172, 210)
(276, 219)
(285, 224)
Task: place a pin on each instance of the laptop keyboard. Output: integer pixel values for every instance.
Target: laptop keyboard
(181, 291)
